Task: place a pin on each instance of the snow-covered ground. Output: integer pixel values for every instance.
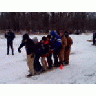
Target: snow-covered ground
(82, 68)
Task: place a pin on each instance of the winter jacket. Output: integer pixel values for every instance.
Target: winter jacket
(9, 36)
(64, 41)
(29, 46)
(69, 42)
(44, 48)
(38, 48)
(67, 50)
(56, 40)
(62, 50)
(94, 34)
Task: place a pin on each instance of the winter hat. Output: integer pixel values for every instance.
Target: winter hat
(53, 33)
(49, 36)
(44, 38)
(66, 34)
(35, 39)
(25, 36)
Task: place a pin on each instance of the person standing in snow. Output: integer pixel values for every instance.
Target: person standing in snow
(64, 44)
(37, 65)
(67, 48)
(49, 57)
(44, 52)
(57, 45)
(94, 37)
(10, 37)
(30, 49)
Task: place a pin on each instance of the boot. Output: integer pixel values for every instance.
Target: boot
(29, 75)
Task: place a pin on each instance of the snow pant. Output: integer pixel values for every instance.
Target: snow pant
(10, 44)
(30, 63)
(44, 63)
(37, 65)
(49, 60)
(55, 55)
(61, 55)
(66, 55)
(93, 40)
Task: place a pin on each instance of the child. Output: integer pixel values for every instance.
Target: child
(56, 44)
(37, 65)
(67, 48)
(49, 60)
(44, 52)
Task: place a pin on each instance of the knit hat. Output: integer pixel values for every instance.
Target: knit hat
(25, 36)
(49, 36)
(53, 33)
(66, 34)
(44, 38)
(35, 39)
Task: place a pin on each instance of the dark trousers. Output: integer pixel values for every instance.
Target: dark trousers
(55, 55)
(49, 60)
(10, 44)
(93, 40)
(37, 65)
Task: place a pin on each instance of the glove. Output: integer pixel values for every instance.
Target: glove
(19, 50)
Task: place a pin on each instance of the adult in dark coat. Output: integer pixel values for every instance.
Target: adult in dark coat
(30, 49)
(10, 37)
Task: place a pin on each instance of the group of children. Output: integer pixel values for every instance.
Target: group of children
(57, 43)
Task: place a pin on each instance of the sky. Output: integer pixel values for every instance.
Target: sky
(48, 6)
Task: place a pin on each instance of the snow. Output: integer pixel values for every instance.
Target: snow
(81, 70)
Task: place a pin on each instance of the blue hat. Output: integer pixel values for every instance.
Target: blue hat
(53, 33)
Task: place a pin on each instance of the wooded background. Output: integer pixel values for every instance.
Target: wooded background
(45, 21)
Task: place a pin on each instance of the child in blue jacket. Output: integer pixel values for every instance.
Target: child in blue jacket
(56, 44)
